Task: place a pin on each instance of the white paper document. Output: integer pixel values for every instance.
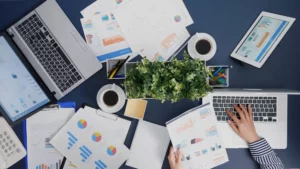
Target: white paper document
(157, 28)
(195, 133)
(102, 7)
(102, 33)
(88, 141)
(149, 146)
(40, 128)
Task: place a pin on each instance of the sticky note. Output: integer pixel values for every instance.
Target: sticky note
(136, 108)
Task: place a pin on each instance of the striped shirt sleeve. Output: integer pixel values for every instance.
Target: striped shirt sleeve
(263, 154)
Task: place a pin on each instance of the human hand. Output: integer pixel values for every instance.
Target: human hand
(244, 126)
(175, 160)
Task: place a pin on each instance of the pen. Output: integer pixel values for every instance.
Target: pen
(118, 68)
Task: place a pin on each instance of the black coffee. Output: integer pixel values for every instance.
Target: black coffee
(110, 98)
(203, 47)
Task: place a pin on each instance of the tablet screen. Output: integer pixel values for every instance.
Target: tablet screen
(20, 94)
(261, 38)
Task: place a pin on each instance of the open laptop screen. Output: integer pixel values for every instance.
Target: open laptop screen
(20, 94)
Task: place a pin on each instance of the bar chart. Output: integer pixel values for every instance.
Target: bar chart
(100, 165)
(72, 140)
(85, 153)
(51, 166)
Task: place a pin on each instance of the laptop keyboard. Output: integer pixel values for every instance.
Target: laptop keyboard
(264, 109)
(48, 52)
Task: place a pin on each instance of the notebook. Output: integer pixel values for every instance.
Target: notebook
(149, 146)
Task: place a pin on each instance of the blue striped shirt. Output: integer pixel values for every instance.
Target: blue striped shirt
(263, 154)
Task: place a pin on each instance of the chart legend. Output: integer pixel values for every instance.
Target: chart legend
(85, 153)
(72, 140)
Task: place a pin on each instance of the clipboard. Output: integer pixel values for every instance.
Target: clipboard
(108, 116)
(50, 107)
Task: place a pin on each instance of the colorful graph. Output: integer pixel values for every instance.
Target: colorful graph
(177, 18)
(88, 24)
(82, 124)
(72, 140)
(111, 150)
(100, 164)
(51, 166)
(197, 153)
(96, 137)
(47, 143)
(85, 153)
(119, 1)
(211, 131)
(196, 140)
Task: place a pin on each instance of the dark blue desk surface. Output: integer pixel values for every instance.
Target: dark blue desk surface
(227, 21)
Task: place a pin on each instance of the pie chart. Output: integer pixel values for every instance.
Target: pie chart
(177, 18)
(111, 150)
(119, 1)
(96, 137)
(82, 124)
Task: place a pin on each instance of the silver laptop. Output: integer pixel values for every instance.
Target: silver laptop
(269, 108)
(54, 48)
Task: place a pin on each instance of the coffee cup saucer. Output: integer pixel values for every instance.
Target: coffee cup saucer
(121, 101)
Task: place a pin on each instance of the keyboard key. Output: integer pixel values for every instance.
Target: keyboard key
(260, 114)
(62, 54)
(254, 101)
(263, 101)
(254, 114)
(222, 109)
(274, 120)
(264, 114)
(267, 110)
(219, 118)
(260, 97)
(255, 118)
(258, 101)
(271, 114)
(269, 118)
(217, 109)
(223, 118)
(215, 105)
(261, 119)
(268, 101)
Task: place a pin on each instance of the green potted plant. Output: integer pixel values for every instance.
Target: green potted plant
(174, 80)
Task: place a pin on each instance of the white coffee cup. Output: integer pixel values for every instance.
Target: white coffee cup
(202, 37)
(114, 107)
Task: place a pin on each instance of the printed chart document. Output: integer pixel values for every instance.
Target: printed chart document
(196, 133)
(88, 143)
(102, 32)
(157, 35)
(40, 129)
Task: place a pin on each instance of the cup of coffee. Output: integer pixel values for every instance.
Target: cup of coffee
(111, 98)
(202, 46)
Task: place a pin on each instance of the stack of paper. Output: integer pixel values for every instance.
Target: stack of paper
(155, 29)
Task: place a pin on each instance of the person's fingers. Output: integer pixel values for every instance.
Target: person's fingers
(234, 127)
(245, 112)
(250, 112)
(178, 156)
(240, 112)
(234, 118)
(171, 156)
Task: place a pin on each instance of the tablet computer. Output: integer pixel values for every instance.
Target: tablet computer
(262, 38)
(22, 92)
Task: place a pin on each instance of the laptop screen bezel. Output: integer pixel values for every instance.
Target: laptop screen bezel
(34, 75)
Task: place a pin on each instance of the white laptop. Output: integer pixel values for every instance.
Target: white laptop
(54, 48)
(270, 112)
